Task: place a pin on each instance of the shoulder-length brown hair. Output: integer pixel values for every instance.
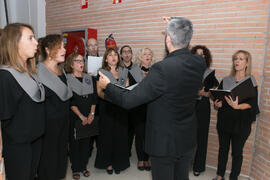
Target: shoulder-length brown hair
(9, 50)
(70, 61)
(52, 42)
(105, 64)
(248, 59)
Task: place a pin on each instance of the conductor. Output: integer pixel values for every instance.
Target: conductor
(170, 89)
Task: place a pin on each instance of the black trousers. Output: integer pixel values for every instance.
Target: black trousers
(238, 141)
(91, 144)
(171, 168)
(136, 120)
(21, 160)
(78, 152)
(203, 121)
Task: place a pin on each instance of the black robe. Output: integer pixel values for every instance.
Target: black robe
(22, 118)
(54, 152)
(83, 103)
(203, 112)
(23, 123)
(80, 134)
(113, 137)
(236, 121)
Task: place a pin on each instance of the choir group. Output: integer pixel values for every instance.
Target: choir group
(52, 109)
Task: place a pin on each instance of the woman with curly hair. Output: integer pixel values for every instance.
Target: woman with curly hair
(203, 112)
(53, 162)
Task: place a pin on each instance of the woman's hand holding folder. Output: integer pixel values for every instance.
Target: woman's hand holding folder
(202, 92)
(217, 104)
(233, 103)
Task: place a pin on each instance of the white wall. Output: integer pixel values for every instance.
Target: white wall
(26, 11)
(2, 14)
(38, 16)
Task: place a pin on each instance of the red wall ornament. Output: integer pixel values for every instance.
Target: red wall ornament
(75, 40)
(84, 4)
(116, 1)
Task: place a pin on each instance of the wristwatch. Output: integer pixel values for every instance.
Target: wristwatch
(92, 113)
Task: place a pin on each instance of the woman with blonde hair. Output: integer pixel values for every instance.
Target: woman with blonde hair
(144, 59)
(234, 119)
(22, 111)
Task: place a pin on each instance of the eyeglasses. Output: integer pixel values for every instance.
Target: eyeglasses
(78, 61)
(91, 45)
(127, 52)
(240, 58)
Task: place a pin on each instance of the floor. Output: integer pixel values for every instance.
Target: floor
(132, 173)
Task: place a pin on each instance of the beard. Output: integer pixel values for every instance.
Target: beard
(93, 53)
(166, 50)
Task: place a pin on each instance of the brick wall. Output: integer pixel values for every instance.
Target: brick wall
(261, 159)
(223, 25)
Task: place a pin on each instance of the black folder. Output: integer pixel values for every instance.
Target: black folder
(220, 94)
(244, 90)
(210, 80)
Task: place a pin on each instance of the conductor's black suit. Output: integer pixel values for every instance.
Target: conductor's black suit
(170, 89)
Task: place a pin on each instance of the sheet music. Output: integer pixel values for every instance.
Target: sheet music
(127, 88)
(93, 64)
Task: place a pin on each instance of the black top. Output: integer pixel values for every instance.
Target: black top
(91, 99)
(84, 103)
(23, 120)
(131, 79)
(213, 83)
(233, 121)
(56, 110)
(170, 89)
(145, 69)
(95, 79)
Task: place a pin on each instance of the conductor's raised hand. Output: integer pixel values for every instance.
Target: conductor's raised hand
(103, 80)
(167, 19)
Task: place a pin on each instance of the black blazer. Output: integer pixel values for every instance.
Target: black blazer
(170, 89)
